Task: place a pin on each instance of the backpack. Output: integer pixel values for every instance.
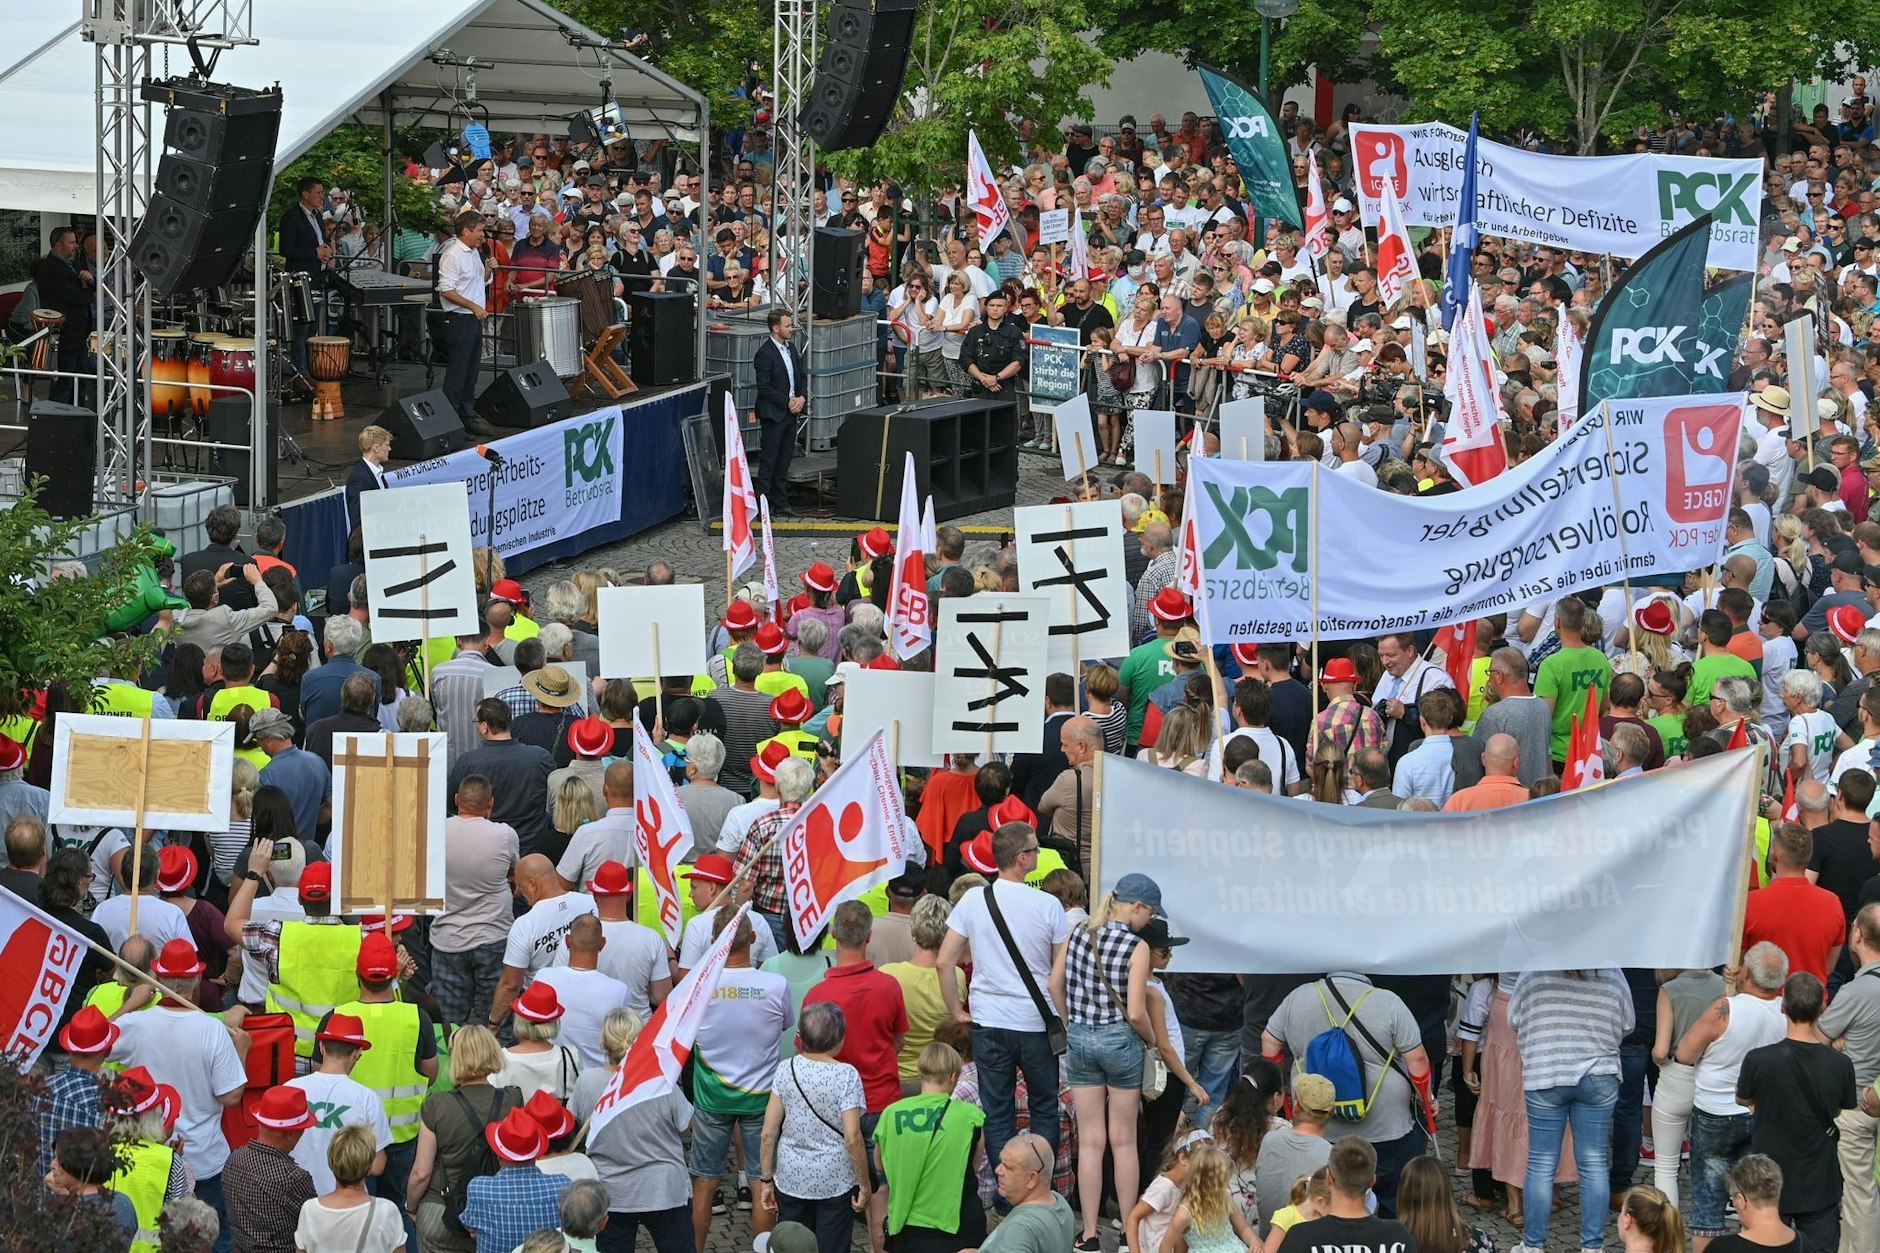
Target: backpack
(482, 1161)
(1332, 1054)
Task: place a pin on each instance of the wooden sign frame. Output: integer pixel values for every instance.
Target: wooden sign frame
(387, 845)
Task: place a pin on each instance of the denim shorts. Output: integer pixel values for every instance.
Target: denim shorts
(711, 1143)
(1109, 1056)
(1717, 1142)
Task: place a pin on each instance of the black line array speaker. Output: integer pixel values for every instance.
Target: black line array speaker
(841, 256)
(424, 426)
(211, 183)
(62, 445)
(660, 348)
(965, 457)
(858, 80)
(231, 421)
(526, 396)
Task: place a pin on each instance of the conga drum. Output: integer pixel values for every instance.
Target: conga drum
(328, 357)
(201, 348)
(169, 371)
(595, 291)
(46, 320)
(232, 364)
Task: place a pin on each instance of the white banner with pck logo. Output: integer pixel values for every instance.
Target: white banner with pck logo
(554, 481)
(1278, 538)
(1620, 205)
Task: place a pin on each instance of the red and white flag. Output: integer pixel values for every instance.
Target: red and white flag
(36, 967)
(1080, 247)
(982, 190)
(1396, 255)
(1472, 442)
(652, 1065)
(1791, 808)
(662, 834)
(1586, 764)
(740, 503)
(770, 561)
(929, 533)
(850, 836)
(1457, 640)
(1568, 351)
(909, 610)
(1318, 240)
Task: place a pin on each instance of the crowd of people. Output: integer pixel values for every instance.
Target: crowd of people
(994, 1050)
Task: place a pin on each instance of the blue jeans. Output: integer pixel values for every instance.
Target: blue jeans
(1106, 1056)
(1587, 1107)
(1002, 1054)
(1213, 1058)
(209, 1192)
(1392, 1157)
(1628, 1116)
(465, 983)
(1718, 1141)
(669, 1229)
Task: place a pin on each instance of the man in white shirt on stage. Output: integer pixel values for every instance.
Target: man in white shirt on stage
(463, 289)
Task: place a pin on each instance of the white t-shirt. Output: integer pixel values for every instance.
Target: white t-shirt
(157, 920)
(607, 838)
(1816, 730)
(1358, 469)
(374, 1227)
(739, 821)
(1855, 758)
(192, 1053)
(1278, 756)
(535, 938)
(553, 1071)
(1778, 660)
(743, 1026)
(697, 938)
(336, 1101)
(586, 996)
(636, 956)
(1038, 925)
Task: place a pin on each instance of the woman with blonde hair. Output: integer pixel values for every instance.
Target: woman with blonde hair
(1206, 1221)
(1651, 643)
(959, 309)
(535, 1062)
(573, 805)
(230, 846)
(1101, 685)
(450, 1136)
(919, 978)
(619, 1030)
(349, 1217)
(1182, 743)
(1106, 972)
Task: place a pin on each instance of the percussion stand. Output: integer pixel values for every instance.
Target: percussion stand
(287, 378)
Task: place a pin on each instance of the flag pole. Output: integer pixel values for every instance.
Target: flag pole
(659, 682)
(1742, 896)
(137, 842)
(1096, 821)
(1618, 509)
(1315, 593)
(992, 680)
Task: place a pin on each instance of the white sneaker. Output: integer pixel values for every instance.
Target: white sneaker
(1527, 1248)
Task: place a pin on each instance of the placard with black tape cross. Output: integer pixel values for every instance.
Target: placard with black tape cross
(990, 655)
(419, 578)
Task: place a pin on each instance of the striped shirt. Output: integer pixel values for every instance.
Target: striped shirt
(1567, 1027)
(747, 721)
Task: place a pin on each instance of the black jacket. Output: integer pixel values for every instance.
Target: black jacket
(300, 242)
(774, 386)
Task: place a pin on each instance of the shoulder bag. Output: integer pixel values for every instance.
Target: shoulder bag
(1054, 1031)
(1154, 1069)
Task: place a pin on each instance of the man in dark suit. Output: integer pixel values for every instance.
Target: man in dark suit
(782, 398)
(367, 473)
(1032, 773)
(304, 247)
(64, 287)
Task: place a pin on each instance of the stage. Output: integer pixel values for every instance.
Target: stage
(623, 477)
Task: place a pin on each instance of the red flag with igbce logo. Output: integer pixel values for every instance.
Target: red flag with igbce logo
(37, 963)
(848, 837)
(662, 834)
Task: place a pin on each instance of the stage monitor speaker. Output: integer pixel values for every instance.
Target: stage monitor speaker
(525, 396)
(424, 426)
(211, 185)
(858, 80)
(62, 445)
(231, 422)
(660, 348)
(841, 256)
(965, 457)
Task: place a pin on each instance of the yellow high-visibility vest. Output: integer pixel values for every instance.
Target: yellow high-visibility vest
(389, 1067)
(319, 965)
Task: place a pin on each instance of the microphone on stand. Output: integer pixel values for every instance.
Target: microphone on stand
(491, 455)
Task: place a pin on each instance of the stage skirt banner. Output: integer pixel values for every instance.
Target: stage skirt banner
(1283, 541)
(1621, 205)
(1643, 871)
(555, 482)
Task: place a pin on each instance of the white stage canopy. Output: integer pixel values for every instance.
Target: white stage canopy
(336, 61)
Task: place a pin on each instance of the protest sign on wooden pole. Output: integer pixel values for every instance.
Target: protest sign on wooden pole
(137, 840)
(1618, 509)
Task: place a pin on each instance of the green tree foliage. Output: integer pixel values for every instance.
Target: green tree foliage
(978, 65)
(52, 633)
(353, 157)
(709, 45)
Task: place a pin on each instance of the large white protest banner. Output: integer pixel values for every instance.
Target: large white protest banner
(990, 654)
(554, 481)
(1074, 554)
(417, 549)
(1587, 511)
(1644, 871)
(1621, 204)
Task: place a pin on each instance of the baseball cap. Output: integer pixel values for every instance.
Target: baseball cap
(1138, 889)
(1156, 934)
(378, 959)
(1263, 285)
(316, 882)
(1342, 205)
(1314, 1094)
(1847, 562)
(270, 724)
(786, 1237)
